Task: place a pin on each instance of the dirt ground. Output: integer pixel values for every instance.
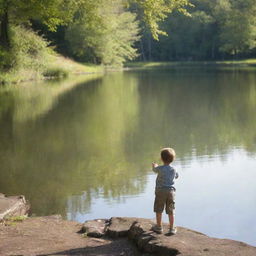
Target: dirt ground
(54, 236)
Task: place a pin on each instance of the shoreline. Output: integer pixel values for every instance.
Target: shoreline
(60, 68)
(65, 67)
(161, 64)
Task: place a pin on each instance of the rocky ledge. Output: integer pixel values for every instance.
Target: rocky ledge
(185, 243)
(117, 236)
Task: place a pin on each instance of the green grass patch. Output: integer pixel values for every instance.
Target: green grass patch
(55, 72)
(30, 58)
(17, 218)
(12, 221)
(148, 65)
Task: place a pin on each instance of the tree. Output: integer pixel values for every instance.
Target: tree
(108, 38)
(238, 27)
(57, 12)
(155, 11)
(50, 12)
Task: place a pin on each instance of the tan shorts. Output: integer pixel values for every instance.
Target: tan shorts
(164, 199)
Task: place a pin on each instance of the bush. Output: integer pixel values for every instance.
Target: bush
(28, 58)
(28, 50)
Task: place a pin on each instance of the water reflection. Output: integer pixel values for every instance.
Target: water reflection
(83, 149)
(76, 147)
(199, 113)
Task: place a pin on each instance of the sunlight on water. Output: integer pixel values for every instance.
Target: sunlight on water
(84, 149)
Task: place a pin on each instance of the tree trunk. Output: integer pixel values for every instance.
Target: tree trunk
(142, 50)
(213, 51)
(4, 35)
(149, 48)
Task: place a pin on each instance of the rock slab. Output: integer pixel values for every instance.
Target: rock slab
(185, 243)
(13, 206)
(95, 228)
(119, 227)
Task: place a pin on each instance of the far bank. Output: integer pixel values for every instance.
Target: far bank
(243, 63)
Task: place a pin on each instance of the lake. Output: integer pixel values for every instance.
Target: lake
(83, 147)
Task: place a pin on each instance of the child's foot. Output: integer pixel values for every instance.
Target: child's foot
(157, 229)
(172, 231)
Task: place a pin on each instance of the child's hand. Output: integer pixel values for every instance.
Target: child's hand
(154, 165)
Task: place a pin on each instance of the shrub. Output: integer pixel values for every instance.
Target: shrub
(28, 50)
(28, 58)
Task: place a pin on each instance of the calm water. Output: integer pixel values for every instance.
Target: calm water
(84, 148)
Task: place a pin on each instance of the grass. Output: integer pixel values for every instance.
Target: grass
(12, 221)
(73, 67)
(60, 67)
(245, 62)
(17, 218)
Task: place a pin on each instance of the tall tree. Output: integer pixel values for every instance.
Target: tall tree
(50, 12)
(155, 11)
(238, 27)
(107, 38)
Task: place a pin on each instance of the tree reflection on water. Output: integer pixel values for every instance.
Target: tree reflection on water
(98, 138)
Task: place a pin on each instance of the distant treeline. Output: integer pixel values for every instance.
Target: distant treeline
(111, 32)
(215, 30)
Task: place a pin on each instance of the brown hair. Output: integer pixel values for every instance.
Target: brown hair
(168, 155)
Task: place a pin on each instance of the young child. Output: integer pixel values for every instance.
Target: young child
(165, 190)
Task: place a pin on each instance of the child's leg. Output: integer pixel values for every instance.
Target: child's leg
(171, 219)
(170, 208)
(159, 219)
(159, 206)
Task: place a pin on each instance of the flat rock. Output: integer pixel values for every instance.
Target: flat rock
(185, 243)
(119, 227)
(13, 206)
(95, 228)
(53, 236)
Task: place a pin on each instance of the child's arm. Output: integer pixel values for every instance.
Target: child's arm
(176, 175)
(154, 167)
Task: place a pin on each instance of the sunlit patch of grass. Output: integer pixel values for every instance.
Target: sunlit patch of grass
(17, 218)
(245, 62)
(74, 67)
(12, 221)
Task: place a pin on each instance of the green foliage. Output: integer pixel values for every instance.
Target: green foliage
(238, 28)
(30, 58)
(27, 57)
(215, 30)
(155, 11)
(28, 50)
(108, 38)
(50, 12)
(5, 58)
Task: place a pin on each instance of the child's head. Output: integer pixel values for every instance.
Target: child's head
(167, 155)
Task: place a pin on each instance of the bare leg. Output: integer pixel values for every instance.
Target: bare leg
(159, 219)
(171, 219)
